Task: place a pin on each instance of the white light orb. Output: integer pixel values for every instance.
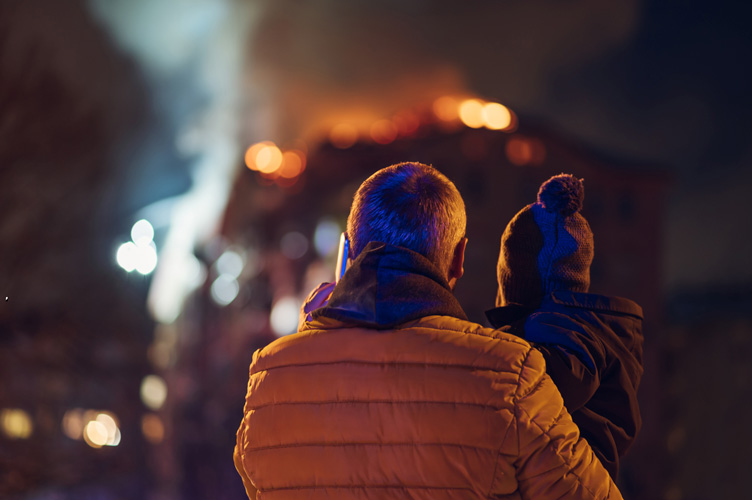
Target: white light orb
(142, 232)
(224, 289)
(284, 315)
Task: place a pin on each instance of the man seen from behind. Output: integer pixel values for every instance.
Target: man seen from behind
(388, 391)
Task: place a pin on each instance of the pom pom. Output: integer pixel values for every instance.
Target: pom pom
(562, 193)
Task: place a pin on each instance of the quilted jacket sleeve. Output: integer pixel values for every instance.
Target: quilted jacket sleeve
(552, 460)
(237, 455)
(249, 488)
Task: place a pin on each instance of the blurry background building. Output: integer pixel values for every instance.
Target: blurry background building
(174, 177)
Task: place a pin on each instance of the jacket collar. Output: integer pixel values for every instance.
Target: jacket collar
(507, 315)
(386, 286)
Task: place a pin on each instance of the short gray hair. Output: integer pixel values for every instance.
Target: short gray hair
(411, 205)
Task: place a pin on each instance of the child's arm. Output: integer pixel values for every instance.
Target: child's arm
(575, 358)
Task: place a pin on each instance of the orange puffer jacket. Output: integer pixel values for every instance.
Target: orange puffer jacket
(434, 408)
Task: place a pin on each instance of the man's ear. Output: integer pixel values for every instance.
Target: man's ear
(457, 266)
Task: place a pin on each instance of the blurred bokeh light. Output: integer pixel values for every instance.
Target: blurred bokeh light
(471, 113)
(284, 315)
(16, 423)
(343, 135)
(153, 391)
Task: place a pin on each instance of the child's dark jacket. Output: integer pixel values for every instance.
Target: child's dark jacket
(593, 350)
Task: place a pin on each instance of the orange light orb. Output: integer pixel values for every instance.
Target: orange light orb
(343, 136)
(525, 151)
(152, 428)
(471, 113)
(445, 108)
(293, 163)
(384, 131)
(251, 152)
(496, 116)
(269, 159)
(407, 123)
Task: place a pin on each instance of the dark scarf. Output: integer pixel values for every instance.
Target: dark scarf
(386, 286)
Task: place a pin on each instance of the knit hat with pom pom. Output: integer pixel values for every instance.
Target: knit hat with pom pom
(547, 246)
